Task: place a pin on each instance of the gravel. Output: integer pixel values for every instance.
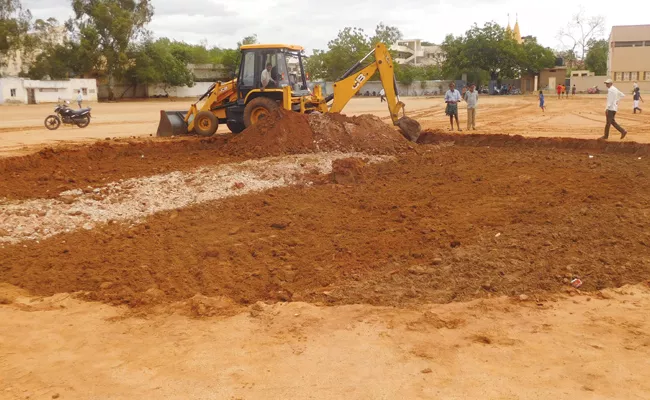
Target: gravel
(137, 198)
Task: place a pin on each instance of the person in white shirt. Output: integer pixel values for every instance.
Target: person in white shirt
(80, 98)
(266, 76)
(452, 98)
(382, 94)
(471, 97)
(613, 97)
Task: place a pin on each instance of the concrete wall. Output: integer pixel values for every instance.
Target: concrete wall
(46, 91)
(559, 74)
(630, 59)
(6, 86)
(123, 91)
(585, 82)
(430, 88)
(180, 91)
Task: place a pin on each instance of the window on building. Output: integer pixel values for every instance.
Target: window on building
(618, 76)
(646, 76)
(84, 91)
(92, 90)
(628, 44)
(13, 92)
(634, 76)
(626, 76)
(46, 90)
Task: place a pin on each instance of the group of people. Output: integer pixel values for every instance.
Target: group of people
(453, 97)
(563, 90)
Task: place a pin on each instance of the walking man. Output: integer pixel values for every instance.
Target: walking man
(573, 90)
(613, 97)
(80, 98)
(452, 98)
(471, 97)
(637, 98)
(382, 95)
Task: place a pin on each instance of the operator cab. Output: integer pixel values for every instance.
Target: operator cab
(286, 63)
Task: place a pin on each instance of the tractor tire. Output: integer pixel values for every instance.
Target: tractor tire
(235, 127)
(205, 123)
(258, 109)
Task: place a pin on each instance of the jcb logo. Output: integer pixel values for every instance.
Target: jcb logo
(357, 82)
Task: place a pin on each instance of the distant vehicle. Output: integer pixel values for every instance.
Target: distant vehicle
(66, 115)
(593, 90)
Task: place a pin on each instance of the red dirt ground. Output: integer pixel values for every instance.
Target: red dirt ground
(450, 223)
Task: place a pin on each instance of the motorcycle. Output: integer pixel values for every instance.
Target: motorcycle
(593, 90)
(66, 115)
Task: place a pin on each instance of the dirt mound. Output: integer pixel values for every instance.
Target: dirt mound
(288, 132)
(57, 169)
(347, 171)
(495, 140)
(453, 224)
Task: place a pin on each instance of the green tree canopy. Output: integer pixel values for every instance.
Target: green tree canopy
(494, 50)
(159, 62)
(106, 28)
(344, 51)
(596, 59)
(14, 25)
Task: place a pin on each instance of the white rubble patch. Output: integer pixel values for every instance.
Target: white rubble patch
(136, 198)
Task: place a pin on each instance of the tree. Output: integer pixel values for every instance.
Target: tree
(231, 58)
(158, 63)
(596, 59)
(536, 57)
(14, 25)
(344, 51)
(110, 26)
(581, 31)
(489, 48)
(385, 34)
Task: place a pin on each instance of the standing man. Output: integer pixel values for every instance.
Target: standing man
(559, 91)
(573, 90)
(382, 95)
(613, 97)
(80, 98)
(637, 98)
(471, 97)
(452, 98)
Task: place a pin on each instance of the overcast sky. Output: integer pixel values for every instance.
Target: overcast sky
(313, 23)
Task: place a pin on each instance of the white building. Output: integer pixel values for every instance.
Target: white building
(413, 52)
(25, 91)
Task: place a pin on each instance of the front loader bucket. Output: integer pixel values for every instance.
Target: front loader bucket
(410, 128)
(172, 123)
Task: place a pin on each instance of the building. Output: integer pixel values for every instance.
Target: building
(629, 56)
(417, 52)
(582, 73)
(26, 91)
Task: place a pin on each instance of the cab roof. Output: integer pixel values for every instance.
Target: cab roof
(272, 46)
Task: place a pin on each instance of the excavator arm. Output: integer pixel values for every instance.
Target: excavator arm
(354, 79)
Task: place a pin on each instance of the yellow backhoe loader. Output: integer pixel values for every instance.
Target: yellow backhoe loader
(244, 101)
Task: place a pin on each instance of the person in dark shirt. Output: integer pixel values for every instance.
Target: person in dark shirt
(637, 97)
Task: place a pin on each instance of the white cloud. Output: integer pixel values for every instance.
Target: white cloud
(312, 23)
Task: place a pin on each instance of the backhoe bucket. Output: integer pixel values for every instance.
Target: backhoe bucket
(410, 128)
(172, 123)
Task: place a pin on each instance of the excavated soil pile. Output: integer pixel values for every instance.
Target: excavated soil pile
(453, 223)
(480, 140)
(288, 132)
(54, 170)
(347, 171)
